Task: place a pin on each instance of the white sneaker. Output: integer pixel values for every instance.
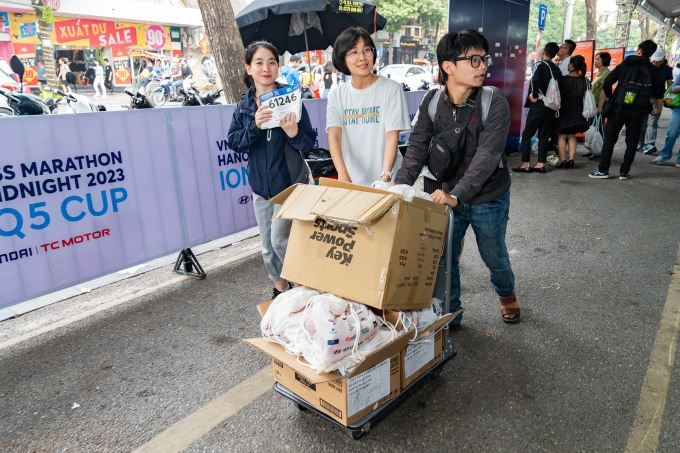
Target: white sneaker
(97, 95)
(677, 165)
(104, 95)
(660, 160)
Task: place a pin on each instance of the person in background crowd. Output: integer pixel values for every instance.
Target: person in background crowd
(676, 71)
(540, 118)
(62, 74)
(289, 73)
(42, 77)
(185, 73)
(269, 168)
(146, 75)
(108, 76)
(98, 80)
(564, 55)
(672, 132)
(479, 192)
(650, 123)
(632, 68)
(329, 79)
(364, 116)
(602, 62)
(571, 121)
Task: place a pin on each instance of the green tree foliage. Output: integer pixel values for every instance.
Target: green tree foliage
(397, 13)
(554, 23)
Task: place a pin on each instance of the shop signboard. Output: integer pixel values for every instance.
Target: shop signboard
(122, 74)
(91, 33)
(26, 53)
(4, 22)
(587, 50)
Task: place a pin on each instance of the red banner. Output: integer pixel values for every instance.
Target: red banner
(98, 33)
(26, 53)
(617, 57)
(587, 50)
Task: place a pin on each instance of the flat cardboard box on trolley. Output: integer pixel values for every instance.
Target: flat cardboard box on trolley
(364, 244)
(374, 381)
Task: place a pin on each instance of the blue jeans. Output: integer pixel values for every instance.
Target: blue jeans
(489, 222)
(672, 134)
(274, 235)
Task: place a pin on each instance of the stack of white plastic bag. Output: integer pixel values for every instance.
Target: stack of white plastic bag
(329, 332)
(407, 192)
(421, 319)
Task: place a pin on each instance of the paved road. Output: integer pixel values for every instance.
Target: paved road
(149, 363)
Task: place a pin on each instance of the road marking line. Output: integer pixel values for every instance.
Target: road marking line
(185, 432)
(250, 250)
(644, 435)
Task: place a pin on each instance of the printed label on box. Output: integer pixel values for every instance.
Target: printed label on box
(418, 355)
(368, 387)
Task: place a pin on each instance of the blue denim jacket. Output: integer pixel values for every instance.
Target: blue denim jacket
(269, 172)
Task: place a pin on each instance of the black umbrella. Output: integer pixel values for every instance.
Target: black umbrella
(299, 25)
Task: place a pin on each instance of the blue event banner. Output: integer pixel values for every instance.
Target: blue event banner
(86, 195)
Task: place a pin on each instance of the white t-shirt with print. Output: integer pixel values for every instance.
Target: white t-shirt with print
(365, 116)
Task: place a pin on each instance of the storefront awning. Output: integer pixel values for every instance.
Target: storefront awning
(117, 11)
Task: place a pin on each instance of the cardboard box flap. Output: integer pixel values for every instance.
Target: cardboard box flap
(437, 325)
(377, 356)
(307, 202)
(297, 202)
(352, 205)
(276, 351)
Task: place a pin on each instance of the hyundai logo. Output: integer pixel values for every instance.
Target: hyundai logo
(244, 199)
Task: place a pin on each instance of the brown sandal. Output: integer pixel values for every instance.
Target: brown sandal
(508, 314)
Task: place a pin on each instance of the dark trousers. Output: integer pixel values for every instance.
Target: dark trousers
(633, 122)
(543, 121)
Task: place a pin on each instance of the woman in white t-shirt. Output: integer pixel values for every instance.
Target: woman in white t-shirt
(364, 116)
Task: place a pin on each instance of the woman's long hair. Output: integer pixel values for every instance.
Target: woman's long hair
(250, 53)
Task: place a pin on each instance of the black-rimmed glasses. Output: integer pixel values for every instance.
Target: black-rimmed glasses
(476, 60)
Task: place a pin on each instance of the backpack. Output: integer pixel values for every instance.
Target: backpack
(636, 90)
(487, 94)
(551, 98)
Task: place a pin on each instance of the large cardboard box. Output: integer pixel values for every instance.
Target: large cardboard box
(428, 350)
(374, 381)
(364, 244)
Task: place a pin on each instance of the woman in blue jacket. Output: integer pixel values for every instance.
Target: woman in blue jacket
(274, 159)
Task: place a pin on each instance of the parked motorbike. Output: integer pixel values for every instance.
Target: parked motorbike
(425, 85)
(138, 100)
(18, 102)
(76, 103)
(193, 97)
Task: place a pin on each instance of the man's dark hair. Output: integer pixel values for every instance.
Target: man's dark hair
(605, 57)
(551, 49)
(648, 47)
(294, 58)
(454, 45)
(571, 44)
(106, 60)
(345, 42)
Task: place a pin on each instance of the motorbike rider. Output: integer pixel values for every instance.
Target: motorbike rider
(185, 73)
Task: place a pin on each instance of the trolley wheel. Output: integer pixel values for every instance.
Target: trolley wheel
(356, 434)
(301, 407)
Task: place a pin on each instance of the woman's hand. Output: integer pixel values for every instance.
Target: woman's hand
(289, 125)
(441, 197)
(344, 177)
(263, 114)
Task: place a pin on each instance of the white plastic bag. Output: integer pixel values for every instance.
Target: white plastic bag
(281, 323)
(551, 98)
(334, 328)
(596, 145)
(589, 105)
